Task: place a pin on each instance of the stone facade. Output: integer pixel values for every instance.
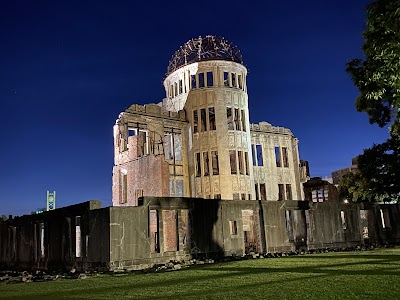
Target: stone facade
(210, 149)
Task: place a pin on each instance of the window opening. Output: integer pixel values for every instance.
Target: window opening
(203, 119)
(78, 245)
(260, 162)
(153, 231)
(123, 183)
(206, 164)
(233, 79)
(281, 192)
(278, 157)
(241, 166)
(201, 80)
(263, 191)
(229, 118)
(233, 227)
(210, 81)
(198, 165)
(232, 155)
(215, 167)
(256, 189)
(246, 163)
(195, 121)
(180, 86)
(243, 118)
(240, 81)
(193, 81)
(289, 192)
(343, 218)
(237, 121)
(211, 117)
(253, 149)
(175, 89)
(285, 157)
(226, 79)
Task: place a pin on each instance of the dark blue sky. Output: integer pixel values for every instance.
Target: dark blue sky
(68, 68)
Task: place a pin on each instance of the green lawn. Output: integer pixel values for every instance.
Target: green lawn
(348, 275)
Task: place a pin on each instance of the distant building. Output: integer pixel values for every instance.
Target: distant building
(336, 175)
(198, 142)
(319, 190)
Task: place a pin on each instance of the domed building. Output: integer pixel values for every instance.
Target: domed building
(193, 178)
(198, 142)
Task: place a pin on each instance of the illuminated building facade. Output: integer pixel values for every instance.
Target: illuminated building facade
(198, 142)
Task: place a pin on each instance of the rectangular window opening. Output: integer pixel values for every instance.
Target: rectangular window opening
(233, 80)
(226, 79)
(153, 231)
(198, 164)
(193, 81)
(233, 227)
(232, 156)
(260, 161)
(343, 218)
(278, 157)
(256, 189)
(203, 119)
(206, 164)
(240, 81)
(229, 118)
(289, 192)
(215, 167)
(195, 121)
(281, 192)
(123, 192)
(201, 80)
(241, 166)
(263, 191)
(211, 117)
(246, 163)
(78, 240)
(180, 86)
(285, 157)
(237, 121)
(243, 119)
(210, 80)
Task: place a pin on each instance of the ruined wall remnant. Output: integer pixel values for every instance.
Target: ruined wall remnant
(160, 229)
(148, 154)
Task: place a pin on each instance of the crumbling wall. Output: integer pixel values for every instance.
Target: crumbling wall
(333, 225)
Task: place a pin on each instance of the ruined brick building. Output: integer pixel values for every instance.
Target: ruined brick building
(198, 142)
(170, 158)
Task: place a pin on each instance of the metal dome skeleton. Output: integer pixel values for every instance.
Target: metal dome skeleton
(201, 49)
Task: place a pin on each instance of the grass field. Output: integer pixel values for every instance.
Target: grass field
(348, 275)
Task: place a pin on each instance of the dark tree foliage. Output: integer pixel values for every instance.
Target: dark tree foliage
(378, 178)
(353, 187)
(380, 169)
(377, 77)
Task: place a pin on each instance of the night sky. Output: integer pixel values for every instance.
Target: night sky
(68, 68)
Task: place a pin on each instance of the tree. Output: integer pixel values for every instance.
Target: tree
(380, 168)
(378, 175)
(377, 77)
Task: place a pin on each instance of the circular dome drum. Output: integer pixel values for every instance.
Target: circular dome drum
(201, 49)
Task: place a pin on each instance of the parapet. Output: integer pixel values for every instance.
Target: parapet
(268, 128)
(154, 110)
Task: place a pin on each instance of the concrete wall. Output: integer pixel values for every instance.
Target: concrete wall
(74, 236)
(161, 229)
